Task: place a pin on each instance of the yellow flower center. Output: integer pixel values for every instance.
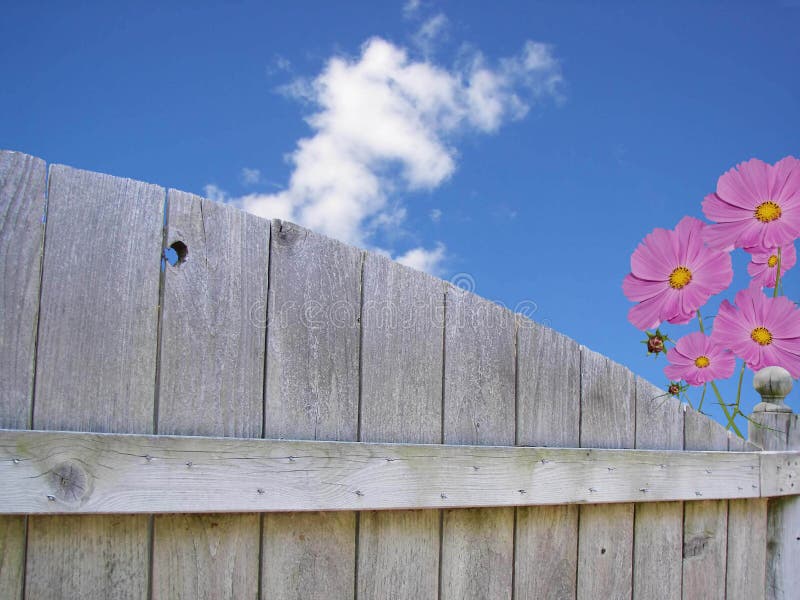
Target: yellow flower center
(767, 211)
(679, 278)
(701, 362)
(773, 260)
(761, 336)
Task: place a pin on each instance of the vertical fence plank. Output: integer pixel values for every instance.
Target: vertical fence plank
(605, 544)
(658, 526)
(705, 523)
(22, 199)
(311, 393)
(401, 401)
(747, 542)
(479, 393)
(95, 370)
(780, 431)
(211, 379)
(548, 414)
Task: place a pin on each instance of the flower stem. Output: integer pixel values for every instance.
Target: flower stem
(724, 408)
(700, 322)
(702, 397)
(777, 274)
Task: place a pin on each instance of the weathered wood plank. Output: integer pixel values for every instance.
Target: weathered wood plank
(22, 203)
(780, 431)
(211, 377)
(658, 526)
(102, 556)
(12, 556)
(548, 414)
(605, 543)
(22, 199)
(401, 401)
(95, 370)
(746, 575)
(303, 554)
(479, 400)
(705, 523)
(87, 473)
(312, 388)
(206, 556)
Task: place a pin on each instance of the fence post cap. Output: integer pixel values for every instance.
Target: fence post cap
(773, 385)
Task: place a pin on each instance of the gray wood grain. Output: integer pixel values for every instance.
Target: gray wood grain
(22, 203)
(308, 556)
(747, 542)
(398, 554)
(747, 549)
(479, 400)
(605, 543)
(97, 557)
(548, 414)
(312, 388)
(12, 556)
(73, 472)
(401, 401)
(658, 527)
(95, 371)
(780, 431)
(211, 376)
(206, 557)
(546, 560)
(705, 523)
(22, 199)
(213, 321)
(477, 553)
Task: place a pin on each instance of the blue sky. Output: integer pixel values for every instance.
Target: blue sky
(542, 141)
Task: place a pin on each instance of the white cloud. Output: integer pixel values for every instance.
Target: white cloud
(215, 193)
(429, 261)
(384, 123)
(435, 215)
(430, 33)
(410, 8)
(250, 176)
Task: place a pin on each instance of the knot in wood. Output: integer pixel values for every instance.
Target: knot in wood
(68, 482)
(289, 236)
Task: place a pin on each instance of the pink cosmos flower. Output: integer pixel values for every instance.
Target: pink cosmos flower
(761, 331)
(756, 204)
(696, 359)
(673, 274)
(764, 264)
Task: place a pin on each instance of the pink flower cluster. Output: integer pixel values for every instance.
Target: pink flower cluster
(674, 273)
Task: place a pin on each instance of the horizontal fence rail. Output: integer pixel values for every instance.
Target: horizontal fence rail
(47, 472)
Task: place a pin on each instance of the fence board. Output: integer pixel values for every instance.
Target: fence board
(747, 543)
(479, 399)
(780, 431)
(605, 544)
(157, 474)
(312, 388)
(401, 401)
(705, 523)
(22, 203)
(95, 369)
(658, 526)
(211, 378)
(548, 414)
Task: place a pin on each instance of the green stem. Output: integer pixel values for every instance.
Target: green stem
(724, 408)
(700, 322)
(777, 274)
(702, 397)
(739, 388)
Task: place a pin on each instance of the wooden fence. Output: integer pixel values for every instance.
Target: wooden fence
(358, 429)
